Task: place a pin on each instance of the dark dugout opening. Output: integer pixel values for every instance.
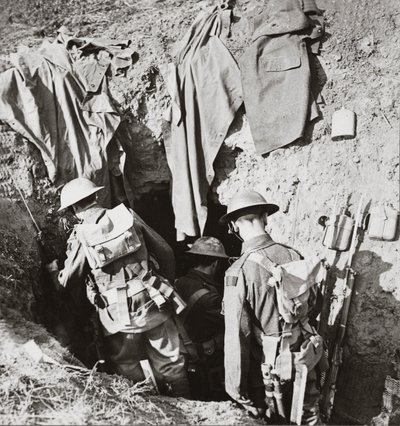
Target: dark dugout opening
(155, 208)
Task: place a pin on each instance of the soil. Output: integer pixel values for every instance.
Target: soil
(358, 69)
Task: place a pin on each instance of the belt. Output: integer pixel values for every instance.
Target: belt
(132, 288)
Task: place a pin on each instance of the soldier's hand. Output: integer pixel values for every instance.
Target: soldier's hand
(99, 301)
(52, 266)
(248, 405)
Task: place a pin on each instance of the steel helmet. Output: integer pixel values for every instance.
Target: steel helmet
(208, 246)
(76, 190)
(243, 202)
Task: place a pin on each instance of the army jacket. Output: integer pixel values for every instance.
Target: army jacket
(250, 307)
(144, 314)
(202, 317)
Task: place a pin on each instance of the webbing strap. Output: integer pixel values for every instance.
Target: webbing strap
(285, 356)
(248, 252)
(239, 263)
(186, 340)
(192, 300)
(134, 287)
(270, 348)
(264, 261)
(122, 306)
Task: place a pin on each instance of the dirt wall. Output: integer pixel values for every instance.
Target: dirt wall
(358, 69)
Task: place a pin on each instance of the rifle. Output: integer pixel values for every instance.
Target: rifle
(336, 358)
(53, 296)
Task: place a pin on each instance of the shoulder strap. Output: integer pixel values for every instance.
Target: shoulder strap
(192, 300)
(186, 340)
(239, 263)
(291, 248)
(231, 277)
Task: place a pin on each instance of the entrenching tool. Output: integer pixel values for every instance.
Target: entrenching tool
(148, 373)
(299, 389)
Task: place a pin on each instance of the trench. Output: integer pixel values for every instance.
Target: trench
(72, 319)
(358, 70)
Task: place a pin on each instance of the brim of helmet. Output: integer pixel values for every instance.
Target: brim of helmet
(75, 201)
(210, 254)
(264, 207)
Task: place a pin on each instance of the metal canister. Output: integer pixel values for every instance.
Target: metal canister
(338, 232)
(343, 124)
(383, 223)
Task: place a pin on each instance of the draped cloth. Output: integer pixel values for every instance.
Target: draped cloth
(57, 97)
(205, 89)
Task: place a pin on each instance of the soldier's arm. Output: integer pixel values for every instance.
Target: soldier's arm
(237, 337)
(75, 266)
(92, 291)
(209, 307)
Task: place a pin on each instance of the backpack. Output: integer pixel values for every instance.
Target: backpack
(296, 284)
(113, 237)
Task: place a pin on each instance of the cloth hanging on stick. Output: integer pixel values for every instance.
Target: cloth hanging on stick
(57, 97)
(276, 76)
(205, 89)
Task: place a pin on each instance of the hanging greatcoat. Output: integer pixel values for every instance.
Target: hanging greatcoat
(57, 97)
(275, 74)
(206, 92)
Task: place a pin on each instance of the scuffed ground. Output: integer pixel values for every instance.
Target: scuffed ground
(43, 393)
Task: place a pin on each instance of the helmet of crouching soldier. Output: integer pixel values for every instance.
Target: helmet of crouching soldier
(208, 246)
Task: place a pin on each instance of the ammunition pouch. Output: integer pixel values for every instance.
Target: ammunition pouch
(120, 295)
(131, 288)
(211, 346)
(291, 353)
(159, 290)
(310, 352)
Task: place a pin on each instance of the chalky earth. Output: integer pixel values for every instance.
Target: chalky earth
(358, 69)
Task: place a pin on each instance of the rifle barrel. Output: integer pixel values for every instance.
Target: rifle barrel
(336, 358)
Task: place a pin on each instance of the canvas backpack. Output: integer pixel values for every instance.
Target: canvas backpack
(113, 237)
(296, 284)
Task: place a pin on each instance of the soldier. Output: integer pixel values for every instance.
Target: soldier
(202, 319)
(110, 249)
(254, 329)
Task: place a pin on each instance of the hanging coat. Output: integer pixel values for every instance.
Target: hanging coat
(58, 99)
(205, 89)
(276, 76)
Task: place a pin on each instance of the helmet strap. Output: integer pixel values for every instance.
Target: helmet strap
(233, 231)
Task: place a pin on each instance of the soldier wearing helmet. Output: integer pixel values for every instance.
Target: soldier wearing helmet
(202, 319)
(110, 249)
(253, 325)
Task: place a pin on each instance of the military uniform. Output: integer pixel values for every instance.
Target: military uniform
(251, 312)
(204, 325)
(129, 297)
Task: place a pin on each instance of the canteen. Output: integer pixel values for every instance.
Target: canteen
(382, 223)
(338, 232)
(343, 124)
